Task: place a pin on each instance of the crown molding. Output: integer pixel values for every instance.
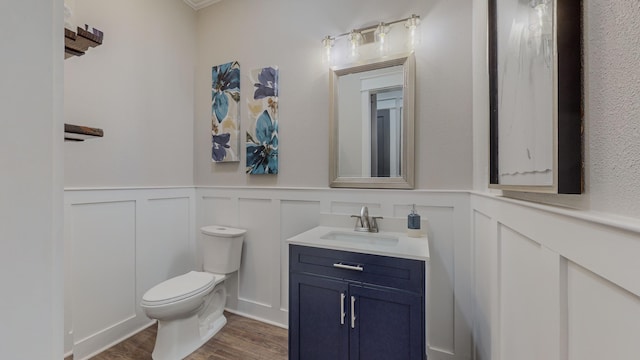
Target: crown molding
(200, 4)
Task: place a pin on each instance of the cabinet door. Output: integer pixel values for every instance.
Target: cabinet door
(387, 324)
(318, 319)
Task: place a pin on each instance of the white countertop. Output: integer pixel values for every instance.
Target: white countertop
(405, 246)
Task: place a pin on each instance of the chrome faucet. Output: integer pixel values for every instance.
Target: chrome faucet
(364, 217)
(366, 223)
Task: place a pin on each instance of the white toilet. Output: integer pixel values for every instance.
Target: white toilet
(189, 307)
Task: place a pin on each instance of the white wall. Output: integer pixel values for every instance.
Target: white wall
(288, 34)
(138, 87)
(31, 179)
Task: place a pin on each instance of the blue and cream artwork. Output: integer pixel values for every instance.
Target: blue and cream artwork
(225, 112)
(262, 132)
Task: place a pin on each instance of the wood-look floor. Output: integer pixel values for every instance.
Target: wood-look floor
(241, 339)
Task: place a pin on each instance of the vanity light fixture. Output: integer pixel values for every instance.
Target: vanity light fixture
(369, 34)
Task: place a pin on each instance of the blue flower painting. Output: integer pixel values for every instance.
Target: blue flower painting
(262, 137)
(225, 97)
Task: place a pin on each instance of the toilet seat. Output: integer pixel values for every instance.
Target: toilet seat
(180, 288)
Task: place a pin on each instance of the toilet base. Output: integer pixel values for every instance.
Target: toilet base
(176, 339)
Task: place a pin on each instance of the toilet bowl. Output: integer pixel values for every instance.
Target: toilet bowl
(189, 308)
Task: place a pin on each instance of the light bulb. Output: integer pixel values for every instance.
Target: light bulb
(412, 26)
(354, 43)
(381, 37)
(327, 44)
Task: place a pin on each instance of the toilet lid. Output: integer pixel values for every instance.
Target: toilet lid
(179, 287)
(222, 231)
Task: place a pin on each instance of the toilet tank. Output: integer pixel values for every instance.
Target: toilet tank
(221, 248)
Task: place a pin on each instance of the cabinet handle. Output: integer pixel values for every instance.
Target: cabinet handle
(349, 267)
(353, 312)
(342, 314)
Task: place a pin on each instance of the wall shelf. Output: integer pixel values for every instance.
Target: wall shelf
(81, 133)
(77, 43)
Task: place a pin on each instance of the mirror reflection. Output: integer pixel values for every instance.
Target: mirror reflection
(372, 125)
(370, 131)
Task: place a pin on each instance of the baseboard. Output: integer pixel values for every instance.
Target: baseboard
(151, 323)
(252, 317)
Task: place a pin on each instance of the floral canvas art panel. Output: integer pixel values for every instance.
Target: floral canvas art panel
(225, 112)
(262, 134)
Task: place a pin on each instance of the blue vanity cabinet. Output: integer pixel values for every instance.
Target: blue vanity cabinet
(346, 305)
(388, 324)
(320, 324)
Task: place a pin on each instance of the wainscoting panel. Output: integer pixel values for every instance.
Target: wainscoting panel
(139, 237)
(441, 306)
(218, 211)
(295, 217)
(272, 215)
(532, 281)
(529, 278)
(485, 251)
(118, 244)
(104, 236)
(166, 244)
(353, 208)
(214, 210)
(258, 276)
(604, 319)
(553, 283)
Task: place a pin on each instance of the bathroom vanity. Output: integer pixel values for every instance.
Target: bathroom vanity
(356, 295)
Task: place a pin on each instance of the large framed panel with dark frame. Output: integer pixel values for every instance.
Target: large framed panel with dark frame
(536, 95)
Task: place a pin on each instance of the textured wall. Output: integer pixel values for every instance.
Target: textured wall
(138, 87)
(612, 109)
(613, 105)
(288, 34)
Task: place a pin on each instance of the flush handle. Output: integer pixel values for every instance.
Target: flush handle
(348, 267)
(342, 313)
(353, 312)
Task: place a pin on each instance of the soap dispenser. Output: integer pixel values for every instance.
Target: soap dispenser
(413, 223)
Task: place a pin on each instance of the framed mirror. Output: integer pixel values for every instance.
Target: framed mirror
(371, 117)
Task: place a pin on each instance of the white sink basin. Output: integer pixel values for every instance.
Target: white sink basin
(395, 244)
(361, 237)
